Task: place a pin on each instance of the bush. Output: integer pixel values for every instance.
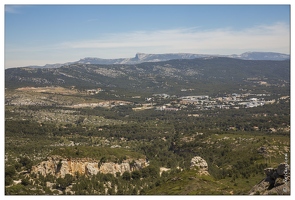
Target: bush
(62, 183)
(126, 176)
(25, 182)
(9, 171)
(8, 180)
(135, 175)
(118, 174)
(26, 162)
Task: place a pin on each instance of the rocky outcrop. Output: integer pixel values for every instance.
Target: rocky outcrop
(164, 169)
(277, 181)
(59, 166)
(200, 164)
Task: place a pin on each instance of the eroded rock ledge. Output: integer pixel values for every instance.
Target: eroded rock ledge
(59, 167)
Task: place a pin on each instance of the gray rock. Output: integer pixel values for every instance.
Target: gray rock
(281, 169)
(274, 183)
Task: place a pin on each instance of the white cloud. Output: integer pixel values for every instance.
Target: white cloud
(274, 37)
(15, 9)
(270, 38)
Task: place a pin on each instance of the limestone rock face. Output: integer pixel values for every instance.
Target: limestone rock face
(91, 169)
(114, 167)
(59, 166)
(164, 169)
(201, 164)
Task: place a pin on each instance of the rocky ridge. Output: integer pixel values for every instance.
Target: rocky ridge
(59, 167)
(143, 57)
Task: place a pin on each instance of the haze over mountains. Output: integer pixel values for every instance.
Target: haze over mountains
(142, 57)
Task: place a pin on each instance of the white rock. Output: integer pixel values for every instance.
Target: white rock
(201, 164)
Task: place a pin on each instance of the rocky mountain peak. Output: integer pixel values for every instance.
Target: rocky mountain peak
(140, 56)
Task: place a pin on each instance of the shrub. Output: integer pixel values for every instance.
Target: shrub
(25, 182)
(136, 175)
(126, 176)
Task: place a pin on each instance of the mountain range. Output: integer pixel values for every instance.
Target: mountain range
(142, 57)
(205, 75)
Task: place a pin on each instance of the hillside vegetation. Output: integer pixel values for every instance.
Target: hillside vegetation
(234, 114)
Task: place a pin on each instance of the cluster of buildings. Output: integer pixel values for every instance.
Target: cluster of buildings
(198, 102)
(205, 102)
(231, 101)
(93, 91)
(104, 104)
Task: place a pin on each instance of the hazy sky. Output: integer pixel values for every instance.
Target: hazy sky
(47, 34)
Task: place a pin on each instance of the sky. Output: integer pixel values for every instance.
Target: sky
(47, 34)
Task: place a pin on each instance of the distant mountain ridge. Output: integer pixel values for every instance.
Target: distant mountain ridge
(206, 74)
(261, 56)
(142, 57)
